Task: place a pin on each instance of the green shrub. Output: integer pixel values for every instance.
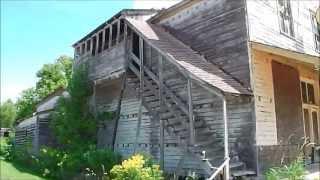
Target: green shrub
(101, 161)
(294, 171)
(6, 148)
(136, 168)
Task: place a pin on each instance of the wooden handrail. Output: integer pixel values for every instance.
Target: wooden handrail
(180, 104)
(219, 169)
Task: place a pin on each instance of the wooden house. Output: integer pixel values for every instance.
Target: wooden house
(207, 87)
(35, 131)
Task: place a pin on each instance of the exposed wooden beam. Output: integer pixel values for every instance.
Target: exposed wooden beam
(97, 43)
(103, 38)
(160, 69)
(191, 116)
(110, 36)
(118, 32)
(141, 74)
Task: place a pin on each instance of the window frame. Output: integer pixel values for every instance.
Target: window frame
(315, 30)
(280, 19)
(310, 82)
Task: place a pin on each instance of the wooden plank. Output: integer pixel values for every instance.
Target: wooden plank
(110, 36)
(191, 116)
(161, 110)
(118, 31)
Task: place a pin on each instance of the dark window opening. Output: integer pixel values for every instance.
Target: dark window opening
(304, 92)
(114, 34)
(6, 134)
(94, 44)
(307, 92)
(88, 45)
(285, 15)
(310, 89)
(100, 42)
(83, 48)
(78, 50)
(135, 44)
(106, 38)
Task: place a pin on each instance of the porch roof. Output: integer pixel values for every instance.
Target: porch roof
(196, 66)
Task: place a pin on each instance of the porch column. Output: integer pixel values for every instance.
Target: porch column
(226, 138)
(110, 36)
(118, 32)
(160, 66)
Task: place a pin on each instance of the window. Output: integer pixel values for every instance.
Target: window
(316, 31)
(307, 93)
(94, 45)
(100, 42)
(285, 17)
(83, 48)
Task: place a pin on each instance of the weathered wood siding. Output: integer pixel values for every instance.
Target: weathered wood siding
(107, 63)
(264, 26)
(217, 30)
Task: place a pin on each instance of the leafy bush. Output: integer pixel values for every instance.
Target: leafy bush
(6, 148)
(137, 167)
(294, 171)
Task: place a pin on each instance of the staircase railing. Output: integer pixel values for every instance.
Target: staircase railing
(223, 166)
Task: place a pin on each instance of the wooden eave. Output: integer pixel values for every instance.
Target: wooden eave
(301, 57)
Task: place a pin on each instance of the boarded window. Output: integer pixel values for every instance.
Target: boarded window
(285, 17)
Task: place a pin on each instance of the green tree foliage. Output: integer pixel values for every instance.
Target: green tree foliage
(26, 103)
(7, 113)
(72, 122)
(51, 77)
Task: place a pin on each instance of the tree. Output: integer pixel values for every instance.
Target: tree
(54, 76)
(51, 77)
(26, 103)
(7, 114)
(72, 122)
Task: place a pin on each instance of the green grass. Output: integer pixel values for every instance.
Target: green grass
(9, 171)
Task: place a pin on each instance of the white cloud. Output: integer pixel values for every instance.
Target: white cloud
(156, 4)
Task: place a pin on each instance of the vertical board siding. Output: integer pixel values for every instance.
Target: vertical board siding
(217, 30)
(264, 26)
(266, 133)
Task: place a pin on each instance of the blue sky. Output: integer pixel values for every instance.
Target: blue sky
(37, 32)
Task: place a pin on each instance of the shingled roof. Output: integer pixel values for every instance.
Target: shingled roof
(182, 55)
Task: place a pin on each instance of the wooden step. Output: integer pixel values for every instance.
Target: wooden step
(239, 173)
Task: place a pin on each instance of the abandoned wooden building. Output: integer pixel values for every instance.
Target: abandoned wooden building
(34, 131)
(211, 87)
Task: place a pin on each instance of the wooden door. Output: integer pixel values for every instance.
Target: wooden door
(288, 105)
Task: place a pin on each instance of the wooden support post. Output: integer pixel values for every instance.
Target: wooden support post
(110, 36)
(118, 32)
(226, 138)
(125, 33)
(191, 117)
(140, 92)
(160, 60)
(97, 43)
(103, 39)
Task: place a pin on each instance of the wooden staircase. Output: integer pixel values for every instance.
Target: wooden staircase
(173, 109)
